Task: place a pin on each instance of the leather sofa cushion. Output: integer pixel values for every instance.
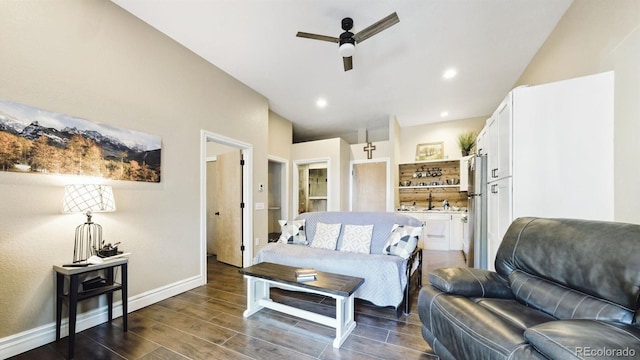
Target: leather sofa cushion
(564, 303)
(597, 258)
(514, 312)
(471, 331)
(580, 339)
(470, 282)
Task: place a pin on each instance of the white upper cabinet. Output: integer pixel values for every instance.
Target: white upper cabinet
(504, 118)
(491, 142)
(499, 140)
(481, 142)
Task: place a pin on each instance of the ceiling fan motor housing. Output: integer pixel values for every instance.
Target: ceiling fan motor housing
(347, 24)
(347, 38)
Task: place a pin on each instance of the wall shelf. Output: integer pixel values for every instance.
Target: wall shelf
(421, 172)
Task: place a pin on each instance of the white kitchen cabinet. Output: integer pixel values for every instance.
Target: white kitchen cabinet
(437, 231)
(499, 136)
(500, 210)
(441, 231)
(491, 142)
(481, 142)
(504, 118)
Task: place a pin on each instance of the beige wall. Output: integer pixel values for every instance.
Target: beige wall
(93, 60)
(394, 138)
(280, 136)
(382, 150)
(446, 132)
(596, 36)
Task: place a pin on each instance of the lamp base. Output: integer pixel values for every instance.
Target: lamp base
(87, 241)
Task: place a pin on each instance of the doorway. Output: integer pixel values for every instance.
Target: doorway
(246, 215)
(278, 199)
(311, 186)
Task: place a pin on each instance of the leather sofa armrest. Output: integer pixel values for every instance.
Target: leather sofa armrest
(580, 339)
(470, 282)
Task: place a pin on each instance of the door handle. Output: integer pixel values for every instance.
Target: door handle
(494, 189)
(493, 173)
(217, 213)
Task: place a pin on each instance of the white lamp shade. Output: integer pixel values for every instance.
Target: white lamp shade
(347, 49)
(88, 197)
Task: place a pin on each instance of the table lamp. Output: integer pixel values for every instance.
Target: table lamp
(87, 199)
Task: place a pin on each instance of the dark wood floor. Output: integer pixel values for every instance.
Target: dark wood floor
(207, 323)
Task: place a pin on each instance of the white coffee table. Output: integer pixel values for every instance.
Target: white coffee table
(261, 276)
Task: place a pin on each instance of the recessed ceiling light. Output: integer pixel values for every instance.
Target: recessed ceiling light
(449, 73)
(444, 114)
(321, 103)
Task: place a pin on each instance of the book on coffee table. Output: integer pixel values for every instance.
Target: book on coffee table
(305, 274)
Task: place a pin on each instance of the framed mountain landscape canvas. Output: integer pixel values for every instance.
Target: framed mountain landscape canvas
(38, 141)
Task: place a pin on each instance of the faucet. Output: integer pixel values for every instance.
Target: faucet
(430, 199)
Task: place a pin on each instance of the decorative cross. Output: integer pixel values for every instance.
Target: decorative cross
(369, 149)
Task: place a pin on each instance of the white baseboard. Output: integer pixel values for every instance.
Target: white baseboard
(30, 339)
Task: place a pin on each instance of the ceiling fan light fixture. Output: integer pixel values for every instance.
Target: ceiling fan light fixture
(347, 44)
(347, 50)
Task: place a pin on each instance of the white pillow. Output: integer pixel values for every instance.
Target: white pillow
(326, 236)
(357, 238)
(402, 240)
(292, 232)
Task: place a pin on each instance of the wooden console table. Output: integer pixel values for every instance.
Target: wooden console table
(75, 294)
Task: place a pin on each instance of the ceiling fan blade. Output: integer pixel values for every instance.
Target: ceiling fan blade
(348, 63)
(317, 37)
(373, 29)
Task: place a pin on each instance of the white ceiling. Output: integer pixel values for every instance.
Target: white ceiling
(397, 72)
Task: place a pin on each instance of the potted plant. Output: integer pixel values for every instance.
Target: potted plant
(466, 141)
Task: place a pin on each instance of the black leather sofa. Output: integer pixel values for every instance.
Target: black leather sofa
(563, 289)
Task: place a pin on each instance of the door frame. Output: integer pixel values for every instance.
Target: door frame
(296, 179)
(247, 196)
(387, 161)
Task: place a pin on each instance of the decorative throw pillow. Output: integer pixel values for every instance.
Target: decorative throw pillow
(292, 232)
(326, 236)
(357, 238)
(402, 240)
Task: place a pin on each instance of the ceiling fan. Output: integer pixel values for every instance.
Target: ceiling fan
(348, 40)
